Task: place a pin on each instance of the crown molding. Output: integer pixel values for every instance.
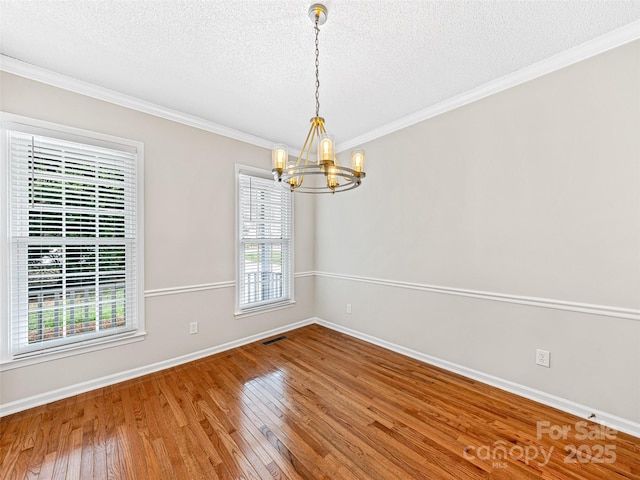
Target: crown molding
(32, 72)
(616, 38)
(608, 41)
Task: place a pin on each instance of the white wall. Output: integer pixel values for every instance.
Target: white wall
(532, 192)
(189, 238)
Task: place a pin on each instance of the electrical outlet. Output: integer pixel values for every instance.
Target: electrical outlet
(193, 328)
(543, 358)
(349, 308)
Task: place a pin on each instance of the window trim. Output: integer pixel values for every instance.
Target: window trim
(275, 305)
(8, 360)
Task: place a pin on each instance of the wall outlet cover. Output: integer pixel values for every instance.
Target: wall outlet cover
(193, 328)
(543, 358)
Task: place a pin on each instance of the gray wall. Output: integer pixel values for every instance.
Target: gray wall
(189, 237)
(533, 192)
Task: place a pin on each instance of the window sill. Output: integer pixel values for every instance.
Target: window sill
(249, 312)
(100, 344)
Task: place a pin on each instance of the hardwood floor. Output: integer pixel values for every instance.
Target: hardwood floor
(317, 405)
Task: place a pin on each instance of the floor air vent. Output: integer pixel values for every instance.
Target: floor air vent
(274, 340)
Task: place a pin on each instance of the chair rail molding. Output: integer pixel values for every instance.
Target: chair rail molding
(158, 292)
(609, 311)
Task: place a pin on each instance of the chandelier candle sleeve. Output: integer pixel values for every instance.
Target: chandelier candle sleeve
(332, 177)
(326, 154)
(296, 180)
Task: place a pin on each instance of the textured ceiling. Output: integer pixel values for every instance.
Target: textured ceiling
(249, 64)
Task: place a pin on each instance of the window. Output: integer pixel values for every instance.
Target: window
(265, 244)
(74, 238)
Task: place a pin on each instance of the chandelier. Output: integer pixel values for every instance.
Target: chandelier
(323, 173)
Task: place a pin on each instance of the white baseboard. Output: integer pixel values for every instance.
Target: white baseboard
(582, 411)
(577, 409)
(41, 399)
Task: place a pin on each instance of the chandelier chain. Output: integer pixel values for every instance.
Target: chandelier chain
(317, 65)
(337, 178)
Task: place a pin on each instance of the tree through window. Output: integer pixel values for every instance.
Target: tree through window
(265, 242)
(73, 239)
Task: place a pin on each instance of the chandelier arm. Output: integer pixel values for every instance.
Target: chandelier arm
(310, 138)
(321, 130)
(313, 132)
(306, 146)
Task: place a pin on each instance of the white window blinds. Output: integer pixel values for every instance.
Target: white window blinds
(265, 242)
(73, 241)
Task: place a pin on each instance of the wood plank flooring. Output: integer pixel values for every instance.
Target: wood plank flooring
(317, 405)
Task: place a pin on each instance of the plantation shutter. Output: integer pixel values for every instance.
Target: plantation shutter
(265, 237)
(73, 240)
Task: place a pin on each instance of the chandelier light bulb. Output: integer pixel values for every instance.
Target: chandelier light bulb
(295, 181)
(325, 149)
(279, 157)
(357, 161)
